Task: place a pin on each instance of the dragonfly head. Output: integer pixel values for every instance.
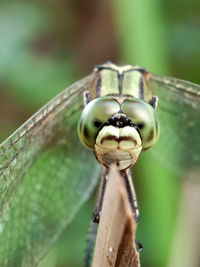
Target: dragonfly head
(118, 131)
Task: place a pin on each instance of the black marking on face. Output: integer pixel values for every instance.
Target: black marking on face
(97, 123)
(120, 121)
(140, 125)
(121, 138)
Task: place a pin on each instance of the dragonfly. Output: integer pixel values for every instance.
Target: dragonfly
(51, 164)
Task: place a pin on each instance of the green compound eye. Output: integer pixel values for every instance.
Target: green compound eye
(94, 115)
(144, 116)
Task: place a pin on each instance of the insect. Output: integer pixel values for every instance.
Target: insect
(120, 116)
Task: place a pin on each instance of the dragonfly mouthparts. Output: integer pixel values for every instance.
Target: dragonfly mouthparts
(120, 121)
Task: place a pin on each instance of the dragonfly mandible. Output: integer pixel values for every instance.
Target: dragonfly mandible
(43, 164)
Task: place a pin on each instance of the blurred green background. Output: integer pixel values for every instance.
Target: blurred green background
(46, 45)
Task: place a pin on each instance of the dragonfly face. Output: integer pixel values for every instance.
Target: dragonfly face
(120, 121)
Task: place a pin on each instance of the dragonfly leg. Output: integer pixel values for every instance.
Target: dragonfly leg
(86, 97)
(132, 199)
(96, 217)
(154, 102)
(90, 244)
(126, 174)
(140, 246)
(99, 202)
(130, 191)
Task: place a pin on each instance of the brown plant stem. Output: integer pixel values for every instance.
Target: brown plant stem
(115, 243)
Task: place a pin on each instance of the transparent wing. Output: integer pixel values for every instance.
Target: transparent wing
(44, 179)
(179, 116)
